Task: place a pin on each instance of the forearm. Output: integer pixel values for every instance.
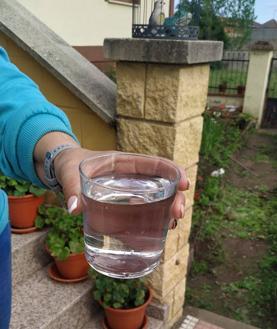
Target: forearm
(47, 143)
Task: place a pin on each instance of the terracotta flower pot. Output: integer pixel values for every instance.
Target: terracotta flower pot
(127, 319)
(74, 267)
(23, 210)
(222, 87)
(241, 90)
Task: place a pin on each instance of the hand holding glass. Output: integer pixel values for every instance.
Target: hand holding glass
(127, 200)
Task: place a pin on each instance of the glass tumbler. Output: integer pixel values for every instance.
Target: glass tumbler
(127, 200)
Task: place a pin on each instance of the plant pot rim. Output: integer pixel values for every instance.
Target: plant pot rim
(129, 310)
(27, 196)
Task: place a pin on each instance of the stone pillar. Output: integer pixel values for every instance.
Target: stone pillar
(257, 80)
(161, 94)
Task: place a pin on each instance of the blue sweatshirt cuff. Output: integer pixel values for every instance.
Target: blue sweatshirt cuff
(30, 124)
(31, 132)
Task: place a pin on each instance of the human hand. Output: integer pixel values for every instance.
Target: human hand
(67, 173)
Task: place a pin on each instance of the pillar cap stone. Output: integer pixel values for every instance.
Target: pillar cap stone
(163, 51)
(262, 45)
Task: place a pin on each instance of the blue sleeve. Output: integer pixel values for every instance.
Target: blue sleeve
(25, 116)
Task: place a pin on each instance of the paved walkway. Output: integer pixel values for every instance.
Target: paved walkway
(191, 322)
(195, 318)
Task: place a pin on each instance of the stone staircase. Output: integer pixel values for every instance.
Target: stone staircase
(41, 303)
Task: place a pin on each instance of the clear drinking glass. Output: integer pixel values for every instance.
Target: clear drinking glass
(127, 200)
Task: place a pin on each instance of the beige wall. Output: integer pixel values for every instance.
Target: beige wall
(91, 131)
(84, 22)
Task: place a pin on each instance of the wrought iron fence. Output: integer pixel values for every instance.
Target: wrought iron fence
(229, 76)
(163, 20)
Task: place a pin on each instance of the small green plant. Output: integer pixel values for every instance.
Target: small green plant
(17, 187)
(219, 141)
(65, 235)
(117, 293)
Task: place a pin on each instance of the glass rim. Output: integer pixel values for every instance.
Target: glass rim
(105, 155)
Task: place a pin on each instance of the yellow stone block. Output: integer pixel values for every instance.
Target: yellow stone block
(175, 92)
(168, 300)
(162, 92)
(167, 275)
(193, 91)
(176, 239)
(145, 137)
(191, 173)
(183, 228)
(171, 245)
(131, 89)
(188, 141)
(179, 297)
(176, 317)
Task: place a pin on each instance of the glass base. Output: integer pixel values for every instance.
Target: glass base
(125, 276)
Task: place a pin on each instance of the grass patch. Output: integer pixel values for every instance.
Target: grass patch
(220, 140)
(244, 215)
(227, 212)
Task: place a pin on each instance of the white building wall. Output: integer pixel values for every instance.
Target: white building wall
(85, 22)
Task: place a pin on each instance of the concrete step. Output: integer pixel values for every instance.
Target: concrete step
(41, 303)
(96, 323)
(195, 318)
(28, 255)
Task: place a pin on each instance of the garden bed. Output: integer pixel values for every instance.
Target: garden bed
(234, 233)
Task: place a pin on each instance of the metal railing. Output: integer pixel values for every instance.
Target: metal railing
(229, 76)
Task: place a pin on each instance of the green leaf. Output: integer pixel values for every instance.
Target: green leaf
(61, 253)
(97, 296)
(76, 246)
(36, 191)
(117, 305)
(39, 222)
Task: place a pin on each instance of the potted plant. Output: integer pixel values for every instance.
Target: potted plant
(240, 90)
(24, 200)
(124, 301)
(64, 241)
(222, 87)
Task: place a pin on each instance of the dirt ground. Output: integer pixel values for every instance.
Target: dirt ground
(254, 167)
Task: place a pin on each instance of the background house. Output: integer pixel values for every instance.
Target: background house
(85, 24)
(265, 32)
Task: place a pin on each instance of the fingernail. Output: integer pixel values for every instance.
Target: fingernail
(182, 211)
(174, 224)
(72, 203)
